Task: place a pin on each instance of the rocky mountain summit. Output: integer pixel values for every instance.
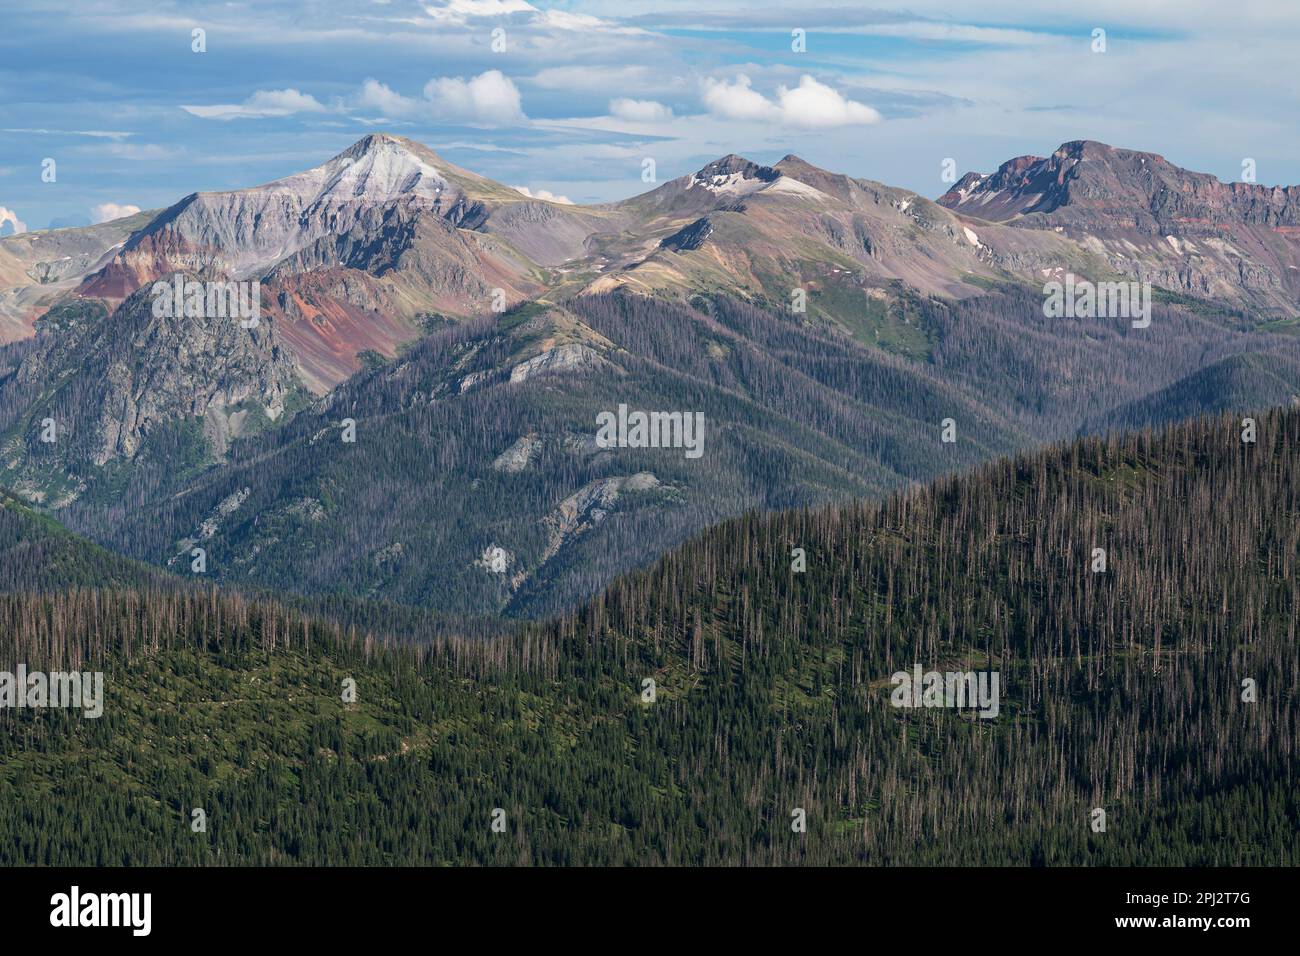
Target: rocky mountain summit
(1085, 183)
(433, 348)
(1181, 230)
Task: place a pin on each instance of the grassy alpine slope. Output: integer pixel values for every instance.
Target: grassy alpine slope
(1122, 690)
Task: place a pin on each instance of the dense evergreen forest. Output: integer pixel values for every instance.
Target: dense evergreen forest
(1161, 690)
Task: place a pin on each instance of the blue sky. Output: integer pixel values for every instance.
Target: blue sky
(584, 91)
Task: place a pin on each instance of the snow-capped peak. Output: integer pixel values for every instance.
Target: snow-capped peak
(378, 168)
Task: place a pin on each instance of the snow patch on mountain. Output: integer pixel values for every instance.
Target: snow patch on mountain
(728, 184)
(793, 187)
(379, 170)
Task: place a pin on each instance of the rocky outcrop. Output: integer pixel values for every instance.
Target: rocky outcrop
(1151, 220)
(109, 382)
(563, 358)
(689, 237)
(518, 456)
(589, 506)
(1097, 187)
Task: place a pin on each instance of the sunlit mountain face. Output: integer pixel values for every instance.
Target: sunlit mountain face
(824, 328)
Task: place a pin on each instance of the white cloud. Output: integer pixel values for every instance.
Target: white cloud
(487, 98)
(639, 111)
(816, 104)
(108, 211)
(458, 11)
(810, 104)
(261, 104)
(981, 92)
(638, 77)
(543, 194)
(738, 101)
(377, 96)
(562, 20)
(8, 216)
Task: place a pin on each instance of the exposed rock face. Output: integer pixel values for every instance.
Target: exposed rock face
(327, 316)
(246, 232)
(690, 237)
(227, 506)
(527, 449)
(551, 342)
(762, 231)
(108, 383)
(724, 181)
(211, 525)
(387, 230)
(38, 267)
(364, 243)
(572, 357)
(1181, 230)
(365, 209)
(589, 506)
(495, 560)
(1092, 185)
(480, 435)
(354, 253)
(518, 456)
(308, 509)
(723, 174)
(546, 233)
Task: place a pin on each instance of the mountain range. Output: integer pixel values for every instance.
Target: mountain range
(413, 418)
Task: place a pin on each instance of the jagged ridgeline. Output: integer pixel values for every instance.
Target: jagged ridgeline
(411, 417)
(1160, 690)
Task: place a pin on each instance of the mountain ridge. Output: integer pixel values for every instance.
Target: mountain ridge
(1181, 230)
(827, 328)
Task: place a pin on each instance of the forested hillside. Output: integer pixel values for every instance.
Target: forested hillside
(412, 415)
(37, 553)
(1122, 690)
(482, 437)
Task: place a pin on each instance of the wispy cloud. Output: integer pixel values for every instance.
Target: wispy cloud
(884, 90)
(262, 104)
(94, 133)
(138, 152)
(639, 111)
